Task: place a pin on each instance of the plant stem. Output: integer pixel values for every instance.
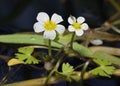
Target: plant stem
(79, 66)
(72, 39)
(53, 70)
(83, 71)
(49, 48)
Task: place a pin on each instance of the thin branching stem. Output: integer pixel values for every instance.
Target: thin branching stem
(54, 70)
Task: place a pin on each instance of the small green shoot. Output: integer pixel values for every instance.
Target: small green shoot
(68, 72)
(67, 69)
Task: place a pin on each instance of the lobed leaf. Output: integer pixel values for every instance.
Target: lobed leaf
(105, 68)
(26, 50)
(67, 69)
(25, 55)
(105, 71)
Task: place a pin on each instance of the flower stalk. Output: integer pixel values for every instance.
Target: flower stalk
(72, 40)
(49, 48)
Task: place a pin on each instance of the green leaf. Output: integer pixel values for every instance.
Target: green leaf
(35, 39)
(107, 57)
(64, 39)
(67, 69)
(105, 68)
(26, 39)
(86, 52)
(105, 71)
(25, 55)
(101, 61)
(83, 51)
(68, 72)
(26, 50)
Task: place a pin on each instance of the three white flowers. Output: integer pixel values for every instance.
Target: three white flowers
(51, 26)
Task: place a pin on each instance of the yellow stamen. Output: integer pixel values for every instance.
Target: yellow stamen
(77, 25)
(50, 25)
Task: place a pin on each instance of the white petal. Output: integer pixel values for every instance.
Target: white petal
(50, 35)
(80, 19)
(97, 42)
(79, 32)
(38, 27)
(71, 19)
(56, 18)
(70, 28)
(60, 29)
(42, 16)
(85, 26)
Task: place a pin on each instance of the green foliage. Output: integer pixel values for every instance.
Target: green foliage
(105, 68)
(65, 39)
(83, 51)
(25, 55)
(26, 39)
(68, 72)
(35, 39)
(106, 56)
(101, 62)
(67, 69)
(26, 50)
(104, 60)
(86, 52)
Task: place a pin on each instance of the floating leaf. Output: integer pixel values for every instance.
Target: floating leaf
(83, 51)
(25, 55)
(26, 39)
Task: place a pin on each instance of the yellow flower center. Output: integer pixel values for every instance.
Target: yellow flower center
(50, 25)
(77, 25)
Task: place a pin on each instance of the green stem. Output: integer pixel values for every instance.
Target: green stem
(72, 39)
(53, 71)
(49, 48)
(79, 66)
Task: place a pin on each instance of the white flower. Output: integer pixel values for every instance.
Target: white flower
(97, 42)
(77, 25)
(49, 26)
